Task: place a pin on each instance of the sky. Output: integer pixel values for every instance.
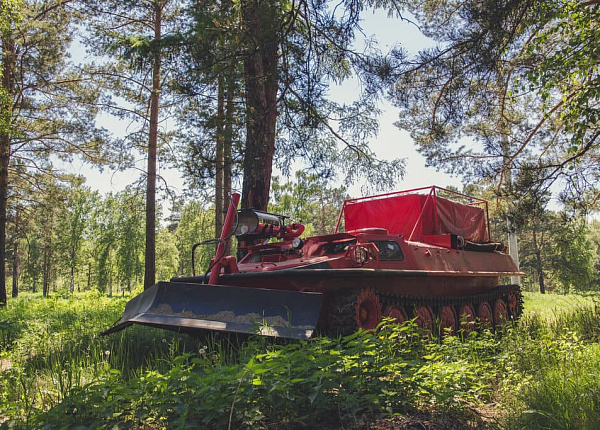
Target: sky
(390, 143)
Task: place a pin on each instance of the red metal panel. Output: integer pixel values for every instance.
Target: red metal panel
(444, 240)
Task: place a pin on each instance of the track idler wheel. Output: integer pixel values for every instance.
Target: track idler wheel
(368, 310)
(514, 307)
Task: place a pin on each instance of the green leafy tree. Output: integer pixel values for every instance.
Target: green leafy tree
(565, 76)
(292, 53)
(105, 241)
(47, 107)
(73, 225)
(195, 225)
(211, 115)
(49, 210)
(167, 255)
(536, 239)
(32, 271)
(559, 253)
(130, 237)
(572, 258)
(594, 237)
(137, 40)
(508, 86)
(308, 200)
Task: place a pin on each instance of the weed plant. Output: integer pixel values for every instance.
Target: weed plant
(59, 373)
(324, 382)
(553, 381)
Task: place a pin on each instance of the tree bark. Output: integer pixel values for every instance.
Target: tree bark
(4, 161)
(72, 283)
(15, 279)
(46, 271)
(261, 77)
(8, 86)
(89, 276)
(219, 165)
(538, 263)
(228, 142)
(150, 264)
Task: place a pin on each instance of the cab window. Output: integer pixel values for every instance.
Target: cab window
(337, 247)
(388, 250)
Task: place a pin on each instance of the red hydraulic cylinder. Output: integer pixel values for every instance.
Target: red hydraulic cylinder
(225, 233)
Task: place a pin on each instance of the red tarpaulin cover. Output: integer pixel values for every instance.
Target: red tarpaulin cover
(416, 215)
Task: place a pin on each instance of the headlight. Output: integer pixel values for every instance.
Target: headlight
(361, 255)
(297, 244)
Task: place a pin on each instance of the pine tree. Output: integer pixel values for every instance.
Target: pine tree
(47, 108)
(291, 55)
(136, 39)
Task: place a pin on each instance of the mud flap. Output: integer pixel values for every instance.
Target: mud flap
(189, 307)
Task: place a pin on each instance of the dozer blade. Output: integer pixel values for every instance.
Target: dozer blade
(187, 307)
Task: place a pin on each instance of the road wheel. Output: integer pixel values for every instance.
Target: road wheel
(396, 313)
(448, 321)
(486, 317)
(424, 318)
(467, 317)
(500, 312)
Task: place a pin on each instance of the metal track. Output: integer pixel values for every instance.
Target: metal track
(342, 307)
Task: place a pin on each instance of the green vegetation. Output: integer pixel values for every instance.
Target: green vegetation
(57, 371)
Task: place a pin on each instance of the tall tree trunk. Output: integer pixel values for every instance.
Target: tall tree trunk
(15, 268)
(513, 244)
(4, 161)
(8, 86)
(46, 272)
(262, 38)
(15, 279)
(150, 265)
(34, 281)
(228, 142)
(219, 177)
(89, 276)
(538, 263)
(72, 283)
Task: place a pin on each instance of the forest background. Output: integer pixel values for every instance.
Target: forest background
(504, 96)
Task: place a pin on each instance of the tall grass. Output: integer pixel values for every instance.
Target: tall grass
(555, 359)
(53, 346)
(325, 382)
(58, 372)
(564, 395)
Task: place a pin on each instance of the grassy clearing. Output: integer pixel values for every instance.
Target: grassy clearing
(554, 354)
(58, 373)
(549, 306)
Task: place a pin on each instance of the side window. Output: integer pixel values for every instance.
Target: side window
(389, 250)
(337, 247)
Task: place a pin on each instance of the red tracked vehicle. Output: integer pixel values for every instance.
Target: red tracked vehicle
(424, 253)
